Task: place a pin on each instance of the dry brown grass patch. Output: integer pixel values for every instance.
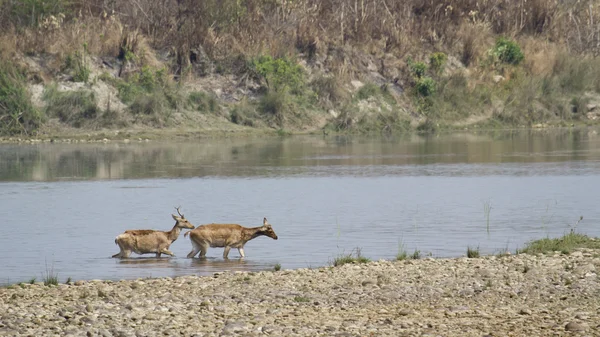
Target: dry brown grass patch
(540, 56)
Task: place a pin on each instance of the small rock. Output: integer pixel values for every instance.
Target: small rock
(524, 312)
(574, 326)
(404, 312)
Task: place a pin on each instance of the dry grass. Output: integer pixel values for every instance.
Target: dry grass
(340, 40)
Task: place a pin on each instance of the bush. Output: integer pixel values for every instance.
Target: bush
(274, 105)
(17, 113)
(74, 108)
(437, 61)
(32, 12)
(418, 69)
(78, 67)
(425, 86)
(508, 51)
(281, 74)
(243, 114)
(203, 102)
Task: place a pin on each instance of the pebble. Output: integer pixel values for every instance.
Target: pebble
(435, 297)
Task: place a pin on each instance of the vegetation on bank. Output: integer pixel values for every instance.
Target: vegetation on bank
(366, 66)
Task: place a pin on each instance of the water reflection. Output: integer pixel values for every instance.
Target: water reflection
(154, 261)
(287, 156)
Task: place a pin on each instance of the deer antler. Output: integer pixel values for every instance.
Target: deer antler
(177, 208)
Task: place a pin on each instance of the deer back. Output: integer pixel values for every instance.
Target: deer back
(218, 235)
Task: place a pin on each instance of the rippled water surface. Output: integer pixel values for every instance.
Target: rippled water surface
(62, 205)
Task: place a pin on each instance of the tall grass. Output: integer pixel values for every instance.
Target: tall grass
(75, 108)
(50, 277)
(17, 113)
(487, 209)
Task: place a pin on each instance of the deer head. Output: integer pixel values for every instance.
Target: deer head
(182, 222)
(267, 230)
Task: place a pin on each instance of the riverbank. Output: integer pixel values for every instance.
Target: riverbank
(512, 295)
(297, 67)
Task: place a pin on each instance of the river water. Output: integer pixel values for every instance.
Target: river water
(61, 205)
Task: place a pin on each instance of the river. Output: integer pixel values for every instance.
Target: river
(62, 204)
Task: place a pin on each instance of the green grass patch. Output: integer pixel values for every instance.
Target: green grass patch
(244, 113)
(301, 299)
(17, 113)
(50, 277)
(472, 253)
(76, 65)
(353, 257)
(277, 267)
(401, 256)
(75, 108)
(203, 102)
(565, 244)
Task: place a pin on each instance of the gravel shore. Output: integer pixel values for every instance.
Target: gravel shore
(519, 295)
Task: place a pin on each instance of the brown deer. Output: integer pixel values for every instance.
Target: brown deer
(226, 235)
(144, 241)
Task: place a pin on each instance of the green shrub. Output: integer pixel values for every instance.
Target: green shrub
(508, 51)
(77, 66)
(280, 74)
(74, 108)
(425, 86)
(418, 69)
(274, 105)
(437, 61)
(203, 102)
(146, 80)
(17, 113)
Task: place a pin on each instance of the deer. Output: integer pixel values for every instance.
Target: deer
(226, 235)
(144, 241)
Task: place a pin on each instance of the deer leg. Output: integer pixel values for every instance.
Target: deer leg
(165, 251)
(125, 254)
(203, 249)
(226, 251)
(195, 249)
(193, 252)
(241, 250)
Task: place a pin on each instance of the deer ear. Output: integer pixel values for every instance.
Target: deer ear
(265, 221)
(174, 217)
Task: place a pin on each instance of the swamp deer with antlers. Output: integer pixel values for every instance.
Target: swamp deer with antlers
(226, 235)
(144, 241)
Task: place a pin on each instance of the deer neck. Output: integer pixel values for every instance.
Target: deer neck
(173, 234)
(250, 233)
